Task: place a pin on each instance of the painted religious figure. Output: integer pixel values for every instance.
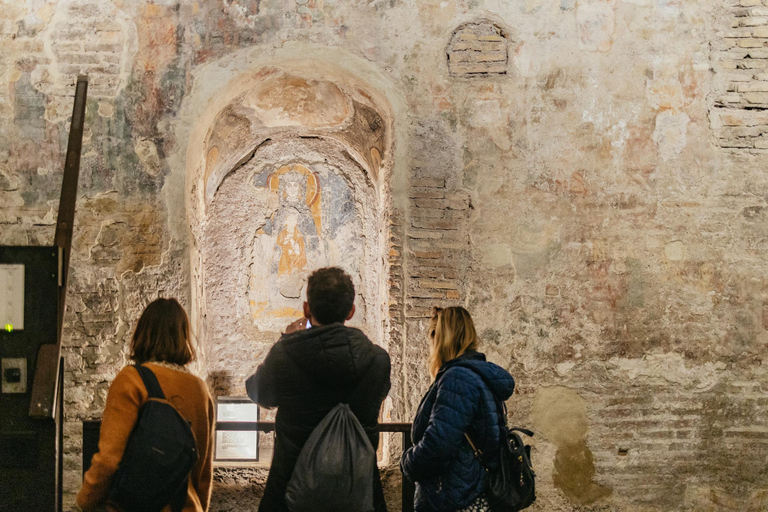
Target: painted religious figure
(305, 232)
(293, 258)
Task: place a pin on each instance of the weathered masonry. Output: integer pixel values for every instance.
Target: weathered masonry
(587, 178)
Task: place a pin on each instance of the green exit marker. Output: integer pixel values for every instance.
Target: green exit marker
(9, 327)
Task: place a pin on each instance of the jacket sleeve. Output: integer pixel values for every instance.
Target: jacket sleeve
(370, 420)
(206, 469)
(455, 405)
(262, 386)
(120, 413)
(386, 383)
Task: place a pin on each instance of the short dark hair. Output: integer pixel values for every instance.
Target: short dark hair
(330, 294)
(162, 334)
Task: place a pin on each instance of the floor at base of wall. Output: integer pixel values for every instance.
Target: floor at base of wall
(240, 489)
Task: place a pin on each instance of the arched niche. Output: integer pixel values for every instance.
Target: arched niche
(293, 173)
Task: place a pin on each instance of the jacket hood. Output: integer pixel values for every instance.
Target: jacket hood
(332, 355)
(498, 380)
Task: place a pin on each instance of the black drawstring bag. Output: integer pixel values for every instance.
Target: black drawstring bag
(335, 469)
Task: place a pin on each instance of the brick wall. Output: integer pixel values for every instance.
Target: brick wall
(437, 247)
(739, 116)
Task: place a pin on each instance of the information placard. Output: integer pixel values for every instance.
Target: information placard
(237, 445)
(12, 297)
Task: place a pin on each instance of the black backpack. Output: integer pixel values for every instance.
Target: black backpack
(335, 468)
(160, 453)
(512, 486)
(512, 482)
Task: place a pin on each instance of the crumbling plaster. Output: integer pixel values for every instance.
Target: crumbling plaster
(600, 207)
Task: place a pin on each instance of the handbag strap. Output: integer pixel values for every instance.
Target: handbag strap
(478, 453)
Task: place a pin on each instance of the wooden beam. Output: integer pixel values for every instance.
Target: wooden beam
(45, 383)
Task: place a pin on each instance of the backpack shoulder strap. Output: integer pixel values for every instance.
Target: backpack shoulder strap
(150, 382)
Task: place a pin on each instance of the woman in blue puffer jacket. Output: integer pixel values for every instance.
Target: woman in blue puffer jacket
(461, 400)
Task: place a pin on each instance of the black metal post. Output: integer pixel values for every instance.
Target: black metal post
(408, 488)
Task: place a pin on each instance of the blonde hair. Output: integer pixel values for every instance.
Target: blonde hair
(451, 333)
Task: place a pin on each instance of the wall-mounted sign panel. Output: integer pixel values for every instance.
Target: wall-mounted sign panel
(12, 297)
(237, 445)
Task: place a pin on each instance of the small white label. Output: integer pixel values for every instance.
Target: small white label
(12, 297)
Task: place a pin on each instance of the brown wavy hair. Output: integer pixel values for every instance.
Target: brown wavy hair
(162, 334)
(451, 333)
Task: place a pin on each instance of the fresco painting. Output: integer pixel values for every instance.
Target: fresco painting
(315, 224)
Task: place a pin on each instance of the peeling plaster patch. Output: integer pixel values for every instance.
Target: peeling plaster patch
(564, 368)
(533, 238)
(8, 181)
(595, 23)
(243, 12)
(10, 198)
(147, 153)
(106, 109)
(560, 414)
(526, 61)
(496, 255)
(295, 101)
(490, 115)
(675, 250)
(665, 93)
(670, 133)
(486, 113)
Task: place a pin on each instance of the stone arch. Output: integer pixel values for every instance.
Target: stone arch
(333, 134)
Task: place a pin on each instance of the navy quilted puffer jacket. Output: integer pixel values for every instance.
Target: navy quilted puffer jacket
(441, 462)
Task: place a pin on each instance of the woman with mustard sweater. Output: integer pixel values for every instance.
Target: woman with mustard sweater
(162, 343)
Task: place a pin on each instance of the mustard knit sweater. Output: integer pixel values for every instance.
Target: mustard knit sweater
(127, 393)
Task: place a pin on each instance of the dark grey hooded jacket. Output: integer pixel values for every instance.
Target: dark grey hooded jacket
(305, 375)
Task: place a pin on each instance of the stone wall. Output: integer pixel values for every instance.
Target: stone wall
(586, 177)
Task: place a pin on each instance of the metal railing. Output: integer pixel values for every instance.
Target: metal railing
(91, 443)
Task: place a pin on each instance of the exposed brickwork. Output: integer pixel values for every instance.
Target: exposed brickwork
(477, 49)
(94, 46)
(743, 129)
(437, 246)
(657, 435)
(738, 119)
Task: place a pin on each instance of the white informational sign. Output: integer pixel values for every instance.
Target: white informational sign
(234, 445)
(12, 297)
(236, 411)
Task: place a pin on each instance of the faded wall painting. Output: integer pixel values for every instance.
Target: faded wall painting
(314, 224)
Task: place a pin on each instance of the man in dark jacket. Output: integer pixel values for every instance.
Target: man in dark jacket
(310, 370)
